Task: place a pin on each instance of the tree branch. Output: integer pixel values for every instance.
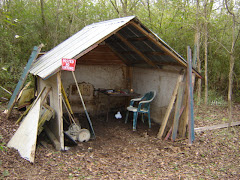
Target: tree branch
(133, 5)
(236, 38)
(115, 6)
(228, 8)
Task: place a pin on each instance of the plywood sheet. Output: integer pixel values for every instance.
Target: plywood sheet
(24, 140)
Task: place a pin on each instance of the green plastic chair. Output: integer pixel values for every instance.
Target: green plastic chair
(143, 107)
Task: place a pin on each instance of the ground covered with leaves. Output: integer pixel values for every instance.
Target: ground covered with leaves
(119, 153)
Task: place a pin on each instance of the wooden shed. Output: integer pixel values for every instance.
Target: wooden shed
(119, 54)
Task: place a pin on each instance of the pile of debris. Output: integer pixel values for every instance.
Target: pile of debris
(38, 112)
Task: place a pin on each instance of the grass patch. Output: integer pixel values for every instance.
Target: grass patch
(5, 173)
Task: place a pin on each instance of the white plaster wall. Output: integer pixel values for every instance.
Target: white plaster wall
(163, 82)
(100, 76)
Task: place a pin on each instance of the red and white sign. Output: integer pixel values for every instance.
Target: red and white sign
(68, 64)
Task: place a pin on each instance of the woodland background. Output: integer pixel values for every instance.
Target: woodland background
(211, 26)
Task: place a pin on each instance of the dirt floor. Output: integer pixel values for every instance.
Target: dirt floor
(119, 153)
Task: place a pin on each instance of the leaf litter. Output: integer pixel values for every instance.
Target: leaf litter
(119, 153)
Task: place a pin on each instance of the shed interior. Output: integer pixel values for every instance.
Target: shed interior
(128, 57)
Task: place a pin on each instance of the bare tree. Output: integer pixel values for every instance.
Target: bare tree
(205, 54)
(197, 41)
(207, 12)
(44, 23)
(114, 4)
(57, 23)
(232, 59)
(124, 7)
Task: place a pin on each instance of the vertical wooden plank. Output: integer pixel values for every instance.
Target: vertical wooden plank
(129, 77)
(60, 112)
(177, 110)
(184, 118)
(169, 109)
(190, 98)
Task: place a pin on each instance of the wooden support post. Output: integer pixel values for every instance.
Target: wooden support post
(169, 109)
(129, 77)
(60, 112)
(129, 80)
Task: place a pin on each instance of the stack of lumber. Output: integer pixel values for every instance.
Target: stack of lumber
(182, 99)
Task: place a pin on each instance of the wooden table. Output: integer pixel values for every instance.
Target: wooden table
(117, 94)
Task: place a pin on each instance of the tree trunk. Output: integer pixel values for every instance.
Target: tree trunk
(230, 87)
(230, 76)
(206, 64)
(115, 7)
(44, 26)
(199, 82)
(231, 65)
(149, 12)
(206, 54)
(124, 7)
(42, 13)
(57, 23)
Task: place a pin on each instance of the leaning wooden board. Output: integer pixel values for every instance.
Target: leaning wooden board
(169, 109)
(23, 78)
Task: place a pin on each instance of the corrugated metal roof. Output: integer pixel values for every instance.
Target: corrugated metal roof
(127, 37)
(51, 61)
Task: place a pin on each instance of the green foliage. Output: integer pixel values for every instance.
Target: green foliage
(215, 99)
(237, 96)
(2, 147)
(5, 173)
(25, 24)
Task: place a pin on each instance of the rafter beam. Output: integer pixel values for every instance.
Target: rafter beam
(118, 54)
(155, 53)
(136, 50)
(164, 48)
(137, 39)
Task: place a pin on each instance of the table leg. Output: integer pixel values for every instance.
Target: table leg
(108, 107)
